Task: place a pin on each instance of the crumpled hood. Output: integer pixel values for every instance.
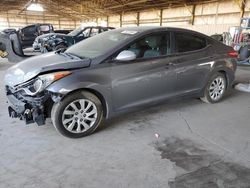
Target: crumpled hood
(31, 67)
(44, 36)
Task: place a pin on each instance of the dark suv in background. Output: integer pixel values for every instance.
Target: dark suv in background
(28, 34)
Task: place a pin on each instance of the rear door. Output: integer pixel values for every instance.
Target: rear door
(194, 61)
(150, 78)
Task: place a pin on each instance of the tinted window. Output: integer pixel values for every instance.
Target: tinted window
(186, 42)
(30, 29)
(151, 46)
(86, 32)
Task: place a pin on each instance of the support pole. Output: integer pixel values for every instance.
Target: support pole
(161, 17)
(193, 14)
(8, 20)
(138, 19)
(242, 8)
(121, 20)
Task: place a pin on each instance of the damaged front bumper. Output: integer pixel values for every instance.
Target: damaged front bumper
(27, 108)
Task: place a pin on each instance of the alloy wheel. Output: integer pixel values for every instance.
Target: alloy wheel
(79, 116)
(217, 88)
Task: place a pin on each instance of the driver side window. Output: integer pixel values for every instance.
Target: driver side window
(86, 32)
(151, 46)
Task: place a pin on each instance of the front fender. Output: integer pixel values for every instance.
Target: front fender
(64, 88)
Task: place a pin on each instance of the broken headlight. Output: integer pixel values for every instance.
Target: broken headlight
(43, 81)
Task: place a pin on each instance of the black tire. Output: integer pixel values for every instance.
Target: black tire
(60, 47)
(244, 53)
(207, 91)
(58, 110)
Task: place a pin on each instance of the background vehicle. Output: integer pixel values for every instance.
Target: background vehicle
(9, 31)
(53, 42)
(132, 68)
(37, 43)
(239, 38)
(28, 34)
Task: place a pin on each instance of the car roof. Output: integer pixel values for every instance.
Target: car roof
(146, 29)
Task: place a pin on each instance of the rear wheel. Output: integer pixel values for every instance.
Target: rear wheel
(215, 88)
(78, 115)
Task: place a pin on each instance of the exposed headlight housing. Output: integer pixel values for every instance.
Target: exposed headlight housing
(43, 81)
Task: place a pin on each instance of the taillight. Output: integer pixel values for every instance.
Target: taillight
(233, 54)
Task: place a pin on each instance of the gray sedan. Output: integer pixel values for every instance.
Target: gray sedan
(116, 72)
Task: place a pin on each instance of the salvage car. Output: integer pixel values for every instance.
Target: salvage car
(38, 41)
(52, 42)
(115, 72)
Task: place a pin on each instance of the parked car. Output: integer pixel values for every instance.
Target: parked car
(116, 72)
(9, 31)
(28, 34)
(54, 42)
(38, 41)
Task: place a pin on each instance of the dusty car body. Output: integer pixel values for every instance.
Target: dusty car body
(131, 69)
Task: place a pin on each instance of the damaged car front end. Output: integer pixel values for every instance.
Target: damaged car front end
(26, 85)
(31, 101)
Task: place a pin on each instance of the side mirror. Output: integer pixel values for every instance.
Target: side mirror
(126, 55)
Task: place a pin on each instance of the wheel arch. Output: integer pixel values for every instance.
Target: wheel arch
(226, 76)
(227, 72)
(97, 94)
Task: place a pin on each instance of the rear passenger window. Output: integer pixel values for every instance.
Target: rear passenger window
(186, 42)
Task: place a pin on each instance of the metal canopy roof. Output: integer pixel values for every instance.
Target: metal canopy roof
(89, 9)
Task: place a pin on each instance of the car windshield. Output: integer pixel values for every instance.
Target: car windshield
(100, 44)
(75, 31)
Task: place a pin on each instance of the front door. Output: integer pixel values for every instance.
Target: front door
(149, 78)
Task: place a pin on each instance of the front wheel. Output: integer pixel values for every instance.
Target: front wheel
(215, 88)
(78, 115)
